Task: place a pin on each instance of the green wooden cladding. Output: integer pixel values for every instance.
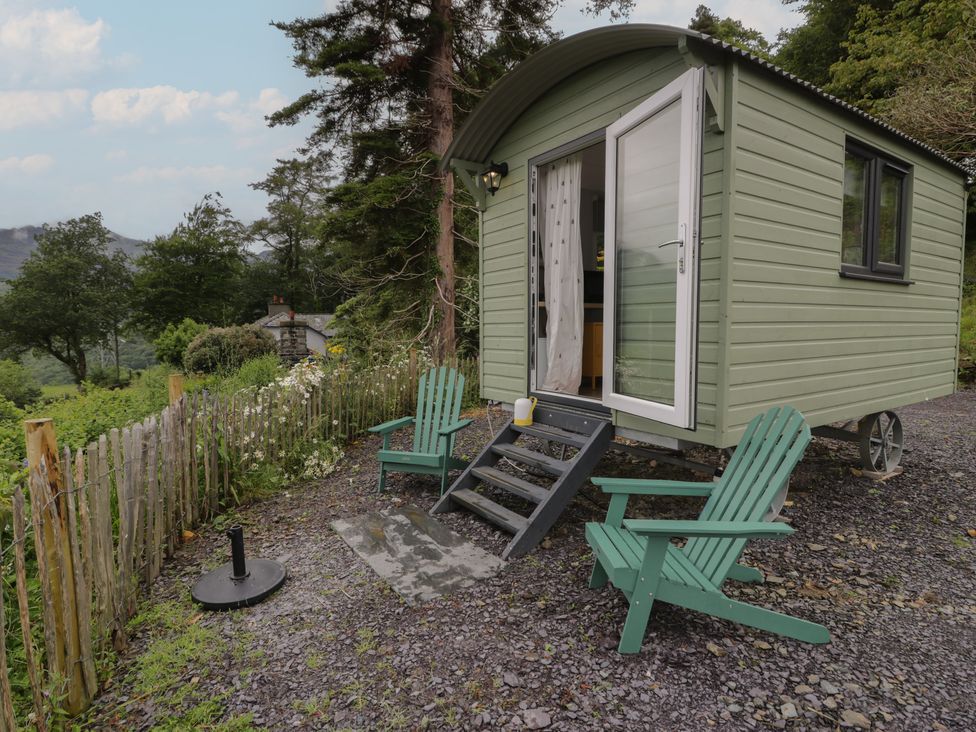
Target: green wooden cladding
(435, 425)
(637, 556)
(776, 321)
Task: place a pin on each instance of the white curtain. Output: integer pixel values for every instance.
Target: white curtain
(563, 259)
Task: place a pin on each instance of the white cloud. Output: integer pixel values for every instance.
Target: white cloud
(269, 101)
(251, 116)
(29, 164)
(117, 154)
(30, 108)
(49, 44)
(133, 106)
(207, 173)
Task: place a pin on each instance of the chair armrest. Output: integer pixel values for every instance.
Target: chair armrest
(452, 428)
(642, 487)
(392, 425)
(723, 529)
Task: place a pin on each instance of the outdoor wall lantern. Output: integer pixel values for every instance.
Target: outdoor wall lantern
(492, 177)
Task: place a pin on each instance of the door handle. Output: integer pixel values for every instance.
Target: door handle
(681, 251)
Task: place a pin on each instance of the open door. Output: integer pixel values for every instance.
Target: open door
(653, 174)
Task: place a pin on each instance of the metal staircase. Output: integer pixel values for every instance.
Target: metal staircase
(527, 500)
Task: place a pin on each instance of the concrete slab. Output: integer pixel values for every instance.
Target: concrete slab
(419, 557)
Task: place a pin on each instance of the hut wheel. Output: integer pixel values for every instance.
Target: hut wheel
(881, 441)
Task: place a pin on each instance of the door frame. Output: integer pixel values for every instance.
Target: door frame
(688, 89)
(592, 404)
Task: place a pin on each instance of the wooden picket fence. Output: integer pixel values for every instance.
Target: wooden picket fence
(103, 518)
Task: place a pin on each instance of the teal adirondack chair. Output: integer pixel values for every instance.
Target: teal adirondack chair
(435, 426)
(637, 556)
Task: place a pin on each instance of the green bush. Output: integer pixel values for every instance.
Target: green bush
(79, 420)
(17, 384)
(259, 371)
(9, 412)
(172, 342)
(967, 335)
(220, 350)
(108, 378)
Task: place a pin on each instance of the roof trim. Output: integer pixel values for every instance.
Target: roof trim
(515, 92)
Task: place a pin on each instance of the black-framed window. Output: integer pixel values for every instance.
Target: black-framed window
(874, 238)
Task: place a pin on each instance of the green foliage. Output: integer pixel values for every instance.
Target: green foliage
(71, 294)
(256, 372)
(9, 412)
(171, 344)
(888, 46)
(17, 384)
(135, 353)
(195, 272)
(937, 102)
(379, 102)
(810, 49)
(96, 410)
(47, 369)
(108, 377)
(730, 30)
(220, 350)
(296, 189)
(967, 335)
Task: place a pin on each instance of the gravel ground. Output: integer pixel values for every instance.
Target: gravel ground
(888, 568)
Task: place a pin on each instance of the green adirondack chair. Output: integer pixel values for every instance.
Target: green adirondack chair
(637, 556)
(435, 426)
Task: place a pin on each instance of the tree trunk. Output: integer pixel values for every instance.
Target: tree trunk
(82, 366)
(441, 101)
(118, 373)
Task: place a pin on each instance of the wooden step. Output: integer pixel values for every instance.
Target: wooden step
(487, 508)
(512, 484)
(553, 434)
(531, 458)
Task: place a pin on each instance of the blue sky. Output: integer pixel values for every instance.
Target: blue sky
(138, 109)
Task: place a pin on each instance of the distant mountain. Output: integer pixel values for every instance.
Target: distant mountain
(16, 244)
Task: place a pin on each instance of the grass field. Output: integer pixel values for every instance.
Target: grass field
(57, 391)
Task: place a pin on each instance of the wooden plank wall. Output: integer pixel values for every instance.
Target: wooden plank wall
(834, 348)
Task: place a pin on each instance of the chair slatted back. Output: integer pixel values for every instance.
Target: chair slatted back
(771, 447)
(439, 398)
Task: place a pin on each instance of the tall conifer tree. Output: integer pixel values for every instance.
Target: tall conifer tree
(395, 78)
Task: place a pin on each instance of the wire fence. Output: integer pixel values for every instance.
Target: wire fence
(101, 520)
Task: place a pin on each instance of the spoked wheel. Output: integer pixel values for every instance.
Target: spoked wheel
(881, 441)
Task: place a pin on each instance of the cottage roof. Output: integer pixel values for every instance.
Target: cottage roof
(515, 92)
(316, 321)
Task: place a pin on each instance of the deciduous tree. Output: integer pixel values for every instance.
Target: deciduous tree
(730, 30)
(195, 272)
(71, 294)
(296, 189)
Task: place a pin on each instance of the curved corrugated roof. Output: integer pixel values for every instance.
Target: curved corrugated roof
(515, 92)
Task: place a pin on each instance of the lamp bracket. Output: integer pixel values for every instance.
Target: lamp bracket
(470, 175)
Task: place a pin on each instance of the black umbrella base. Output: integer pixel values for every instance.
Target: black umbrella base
(218, 590)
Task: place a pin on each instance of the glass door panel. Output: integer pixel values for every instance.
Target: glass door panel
(648, 172)
(653, 173)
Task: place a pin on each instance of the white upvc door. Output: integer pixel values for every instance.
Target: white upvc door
(652, 240)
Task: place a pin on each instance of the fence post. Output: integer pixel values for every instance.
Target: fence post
(48, 496)
(175, 387)
(413, 363)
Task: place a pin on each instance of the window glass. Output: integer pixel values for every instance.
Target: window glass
(647, 219)
(855, 209)
(889, 217)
